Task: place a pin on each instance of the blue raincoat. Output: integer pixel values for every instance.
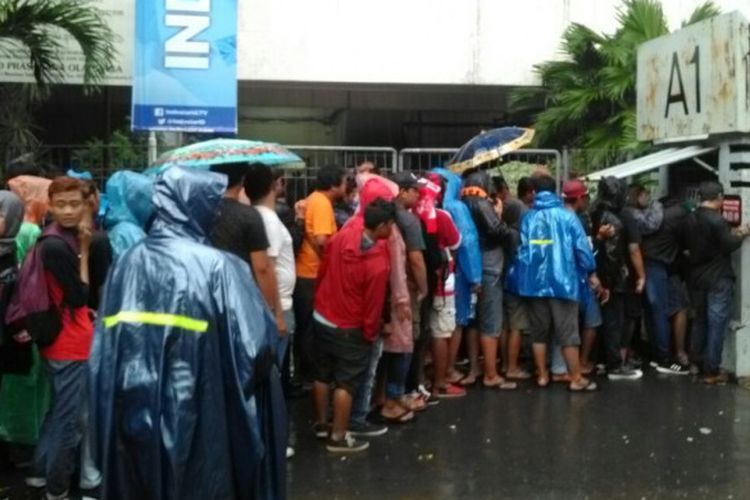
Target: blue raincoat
(186, 399)
(130, 208)
(469, 256)
(554, 252)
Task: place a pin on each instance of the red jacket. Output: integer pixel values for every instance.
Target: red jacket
(352, 284)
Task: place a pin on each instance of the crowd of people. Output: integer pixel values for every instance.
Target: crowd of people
(171, 325)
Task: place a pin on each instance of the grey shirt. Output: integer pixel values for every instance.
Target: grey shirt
(411, 230)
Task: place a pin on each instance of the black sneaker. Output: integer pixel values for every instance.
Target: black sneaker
(346, 445)
(321, 431)
(672, 368)
(427, 396)
(366, 429)
(624, 373)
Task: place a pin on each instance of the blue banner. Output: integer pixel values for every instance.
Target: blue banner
(185, 77)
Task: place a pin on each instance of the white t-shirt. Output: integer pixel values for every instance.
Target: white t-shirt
(281, 248)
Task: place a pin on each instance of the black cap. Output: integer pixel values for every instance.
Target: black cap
(710, 191)
(406, 180)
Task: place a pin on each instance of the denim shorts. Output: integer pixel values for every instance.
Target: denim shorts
(591, 311)
(490, 305)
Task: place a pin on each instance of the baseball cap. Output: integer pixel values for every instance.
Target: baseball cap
(574, 189)
(406, 180)
(710, 191)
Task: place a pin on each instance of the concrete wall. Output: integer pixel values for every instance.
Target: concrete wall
(481, 42)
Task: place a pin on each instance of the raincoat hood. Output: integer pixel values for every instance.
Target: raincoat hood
(372, 187)
(479, 179)
(545, 200)
(11, 212)
(612, 194)
(130, 198)
(468, 255)
(34, 191)
(186, 202)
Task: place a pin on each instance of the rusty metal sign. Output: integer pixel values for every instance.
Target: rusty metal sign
(694, 83)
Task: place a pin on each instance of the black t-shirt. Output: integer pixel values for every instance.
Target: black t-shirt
(59, 260)
(612, 257)
(710, 240)
(664, 245)
(239, 230)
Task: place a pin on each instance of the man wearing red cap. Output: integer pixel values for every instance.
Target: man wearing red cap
(576, 197)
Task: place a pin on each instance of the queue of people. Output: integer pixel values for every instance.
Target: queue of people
(172, 327)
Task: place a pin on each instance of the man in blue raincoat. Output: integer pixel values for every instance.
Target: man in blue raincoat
(130, 207)
(186, 398)
(553, 253)
(468, 260)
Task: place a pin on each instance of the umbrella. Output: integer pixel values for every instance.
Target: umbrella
(488, 146)
(222, 151)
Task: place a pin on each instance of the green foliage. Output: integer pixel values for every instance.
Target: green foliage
(26, 24)
(589, 98)
(122, 151)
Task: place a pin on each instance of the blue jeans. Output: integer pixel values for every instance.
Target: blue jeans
(56, 455)
(657, 295)
(396, 369)
(713, 309)
(361, 404)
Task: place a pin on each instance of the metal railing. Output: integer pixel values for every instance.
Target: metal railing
(419, 160)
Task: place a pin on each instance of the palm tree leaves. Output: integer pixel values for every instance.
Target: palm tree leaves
(27, 23)
(588, 98)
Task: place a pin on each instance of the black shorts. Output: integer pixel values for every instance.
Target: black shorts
(340, 356)
(553, 317)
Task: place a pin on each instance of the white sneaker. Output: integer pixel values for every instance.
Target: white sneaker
(64, 496)
(289, 452)
(35, 482)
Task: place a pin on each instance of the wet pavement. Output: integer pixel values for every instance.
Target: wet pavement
(660, 437)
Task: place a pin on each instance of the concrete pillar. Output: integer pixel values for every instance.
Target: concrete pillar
(734, 174)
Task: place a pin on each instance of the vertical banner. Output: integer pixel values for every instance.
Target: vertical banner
(185, 75)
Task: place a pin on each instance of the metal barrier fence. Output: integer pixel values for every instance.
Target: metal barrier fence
(301, 183)
(419, 160)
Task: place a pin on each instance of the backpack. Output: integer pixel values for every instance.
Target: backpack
(30, 303)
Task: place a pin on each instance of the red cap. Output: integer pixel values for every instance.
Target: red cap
(574, 189)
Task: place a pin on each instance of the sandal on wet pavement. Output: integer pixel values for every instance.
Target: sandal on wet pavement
(501, 385)
(402, 418)
(469, 380)
(542, 382)
(518, 375)
(589, 386)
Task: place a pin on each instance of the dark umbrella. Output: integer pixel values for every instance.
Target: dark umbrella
(489, 146)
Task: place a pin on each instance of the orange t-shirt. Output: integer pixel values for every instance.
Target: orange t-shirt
(319, 221)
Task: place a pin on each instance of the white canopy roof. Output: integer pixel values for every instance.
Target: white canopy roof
(650, 162)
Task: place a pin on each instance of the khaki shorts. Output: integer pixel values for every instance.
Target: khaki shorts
(443, 317)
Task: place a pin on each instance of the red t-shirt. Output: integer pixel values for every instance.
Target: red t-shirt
(74, 341)
(448, 239)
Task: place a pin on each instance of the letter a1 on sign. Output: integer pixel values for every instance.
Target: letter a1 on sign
(185, 66)
(693, 83)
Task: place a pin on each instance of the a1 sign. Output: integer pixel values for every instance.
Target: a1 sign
(693, 83)
(731, 210)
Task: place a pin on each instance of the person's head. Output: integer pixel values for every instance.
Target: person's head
(408, 189)
(368, 167)
(612, 193)
(711, 195)
(258, 182)
(544, 184)
(639, 196)
(279, 184)
(235, 173)
(526, 191)
(332, 181)
(379, 218)
(576, 195)
(501, 187)
(69, 203)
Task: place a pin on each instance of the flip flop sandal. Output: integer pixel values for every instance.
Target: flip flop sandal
(402, 418)
(589, 387)
(505, 385)
(415, 407)
(540, 384)
(464, 382)
(520, 375)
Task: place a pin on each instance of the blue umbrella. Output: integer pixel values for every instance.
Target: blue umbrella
(489, 146)
(204, 155)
